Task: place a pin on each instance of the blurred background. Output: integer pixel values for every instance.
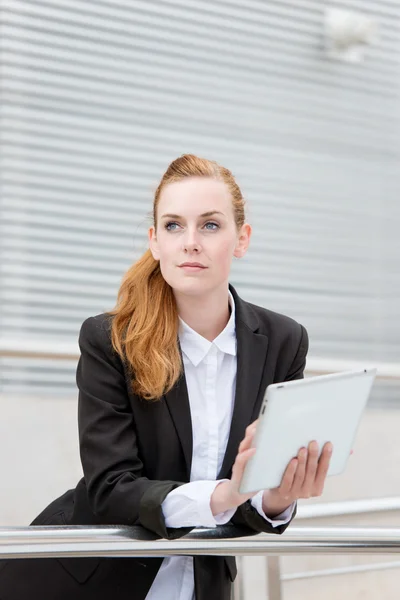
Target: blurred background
(301, 101)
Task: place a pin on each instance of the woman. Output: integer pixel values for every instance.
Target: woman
(170, 384)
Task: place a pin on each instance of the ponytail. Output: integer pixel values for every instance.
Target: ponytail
(145, 329)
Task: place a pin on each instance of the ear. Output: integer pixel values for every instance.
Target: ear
(243, 241)
(153, 244)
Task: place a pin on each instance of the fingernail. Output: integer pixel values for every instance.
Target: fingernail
(329, 448)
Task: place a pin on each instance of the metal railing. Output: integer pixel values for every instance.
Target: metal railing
(329, 510)
(23, 542)
(224, 540)
(112, 541)
(348, 507)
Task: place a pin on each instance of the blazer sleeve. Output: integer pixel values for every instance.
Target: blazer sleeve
(296, 370)
(246, 515)
(117, 491)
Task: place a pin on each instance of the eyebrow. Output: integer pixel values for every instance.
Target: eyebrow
(209, 213)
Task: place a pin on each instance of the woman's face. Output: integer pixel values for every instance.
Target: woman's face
(195, 226)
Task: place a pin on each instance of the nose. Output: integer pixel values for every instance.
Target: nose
(191, 242)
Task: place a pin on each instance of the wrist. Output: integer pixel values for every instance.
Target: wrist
(221, 500)
(273, 506)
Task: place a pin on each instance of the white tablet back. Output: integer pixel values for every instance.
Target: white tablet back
(294, 413)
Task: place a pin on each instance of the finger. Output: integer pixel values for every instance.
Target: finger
(252, 425)
(240, 462)
(251, 429)
(247, 442)
(323, 466)
(311, 470)
(249, 436)
(300, 472)
(288, 478)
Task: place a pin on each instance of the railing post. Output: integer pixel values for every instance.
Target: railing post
(237, 587)
(274, 578)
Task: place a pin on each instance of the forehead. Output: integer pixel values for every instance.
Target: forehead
(195, 195)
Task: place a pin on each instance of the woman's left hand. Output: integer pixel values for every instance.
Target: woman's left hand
(304, 477)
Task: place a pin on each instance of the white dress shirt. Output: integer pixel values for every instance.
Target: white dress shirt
(210, 371)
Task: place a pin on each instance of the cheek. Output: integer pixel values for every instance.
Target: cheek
(167, 252)
(224, 255)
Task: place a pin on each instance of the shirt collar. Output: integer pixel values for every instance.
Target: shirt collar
(196, 347)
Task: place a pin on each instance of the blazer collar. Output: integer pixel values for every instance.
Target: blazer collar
(251, 356)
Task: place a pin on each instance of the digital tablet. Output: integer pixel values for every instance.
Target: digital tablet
(326, 408)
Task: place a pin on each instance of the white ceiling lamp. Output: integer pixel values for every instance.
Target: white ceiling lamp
(348, 34)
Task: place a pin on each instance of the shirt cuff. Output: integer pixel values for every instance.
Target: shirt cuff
(189, 506)
(281, 519)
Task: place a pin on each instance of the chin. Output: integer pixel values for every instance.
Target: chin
(190, 287)
(193, 289)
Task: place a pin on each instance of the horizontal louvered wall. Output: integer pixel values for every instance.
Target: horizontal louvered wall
(98, 97)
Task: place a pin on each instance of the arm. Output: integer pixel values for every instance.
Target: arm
(275, 517)
(304, 476)
(296, 370)
(206, 503)
(117, 491)
(247, 514)
(190, 505)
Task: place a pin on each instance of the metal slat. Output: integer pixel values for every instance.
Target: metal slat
(93, 109)
(374, 121)
(89, 125)
(191, 16)
(248, 52)
(96, 53)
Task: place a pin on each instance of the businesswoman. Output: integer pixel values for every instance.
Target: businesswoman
(170, 384)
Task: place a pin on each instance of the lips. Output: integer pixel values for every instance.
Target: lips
(194, 264)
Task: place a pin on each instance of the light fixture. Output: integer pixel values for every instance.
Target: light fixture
(348, 34)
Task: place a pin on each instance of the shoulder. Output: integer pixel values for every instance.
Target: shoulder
(96, 327)
(95, 333)
(271, 319)
(279, 328)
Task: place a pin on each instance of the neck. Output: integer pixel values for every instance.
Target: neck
(208, 314)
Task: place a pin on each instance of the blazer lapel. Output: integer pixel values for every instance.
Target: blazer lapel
(251, 356)
(177, 401)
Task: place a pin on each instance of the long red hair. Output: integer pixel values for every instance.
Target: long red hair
(145, 319)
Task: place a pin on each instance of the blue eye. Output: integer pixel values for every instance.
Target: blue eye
(209, 226)
(214, 226)
(168, 226)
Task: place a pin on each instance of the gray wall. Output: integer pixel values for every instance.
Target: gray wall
(98, 98)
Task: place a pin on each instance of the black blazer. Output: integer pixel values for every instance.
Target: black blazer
(134, 452)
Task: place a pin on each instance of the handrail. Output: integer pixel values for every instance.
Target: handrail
(347, 507)
(45, 542)
(50, 350)
(322, 366)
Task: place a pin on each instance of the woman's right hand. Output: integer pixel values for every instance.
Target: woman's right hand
(226, 495)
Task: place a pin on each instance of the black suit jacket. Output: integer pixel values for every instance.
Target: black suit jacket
(134, 452)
